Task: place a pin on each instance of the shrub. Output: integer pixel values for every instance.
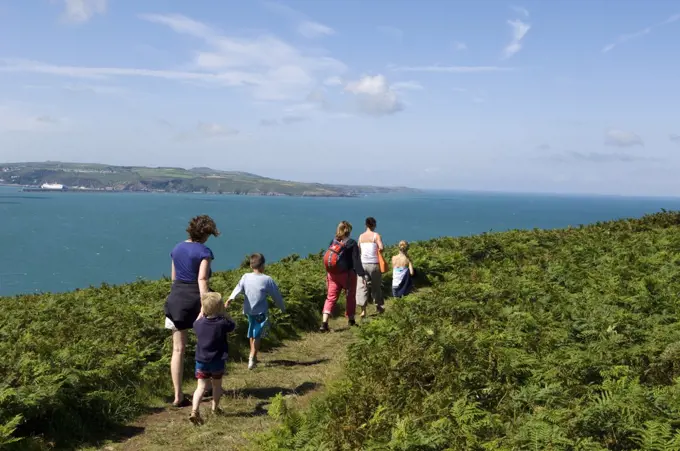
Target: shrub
(550, 340)
(74, 364)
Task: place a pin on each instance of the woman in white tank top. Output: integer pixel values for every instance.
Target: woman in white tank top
(370, 243)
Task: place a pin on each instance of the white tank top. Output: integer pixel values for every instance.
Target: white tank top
(369, 252)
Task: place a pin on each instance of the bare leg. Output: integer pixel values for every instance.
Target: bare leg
(325, 317)
(198, 395)
(217, 394)
(179, 343)
(254, 347)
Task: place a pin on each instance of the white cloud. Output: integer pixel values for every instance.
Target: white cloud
(519, 31)
(520, 10)
(675, 138)
(622, 138)
(451, 69)
(459, 46)
(392, 32)
(333, 81)
(79, 11)
(268, 67)
(95, 89)
(375, 96)
(407, 86)
(306, 27)
(213, 130)
(622, 39)
(310, 29)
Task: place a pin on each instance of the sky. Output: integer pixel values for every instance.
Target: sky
(564, 96)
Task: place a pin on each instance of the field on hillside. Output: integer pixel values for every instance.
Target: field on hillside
(131, 178)
(525, 340)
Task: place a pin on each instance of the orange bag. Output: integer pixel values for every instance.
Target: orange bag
(382, 263)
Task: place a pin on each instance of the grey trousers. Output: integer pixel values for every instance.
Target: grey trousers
(366, 291)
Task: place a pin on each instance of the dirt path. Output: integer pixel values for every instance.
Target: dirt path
(299, 369)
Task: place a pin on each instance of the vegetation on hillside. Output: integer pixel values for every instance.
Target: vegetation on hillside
(205, 180)
(76, 364)
(543, 340)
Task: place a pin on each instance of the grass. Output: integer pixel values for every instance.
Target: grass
(297, 370)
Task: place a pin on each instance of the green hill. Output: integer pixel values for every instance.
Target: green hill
(168, 179)
(546, 340)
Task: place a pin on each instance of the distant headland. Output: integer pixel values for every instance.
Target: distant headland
(84, 177)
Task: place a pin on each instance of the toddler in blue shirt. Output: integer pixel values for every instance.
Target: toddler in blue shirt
(212, 351)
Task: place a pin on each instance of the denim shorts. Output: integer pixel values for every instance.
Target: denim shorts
(210, 370)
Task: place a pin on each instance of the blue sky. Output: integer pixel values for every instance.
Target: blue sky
(540, 96)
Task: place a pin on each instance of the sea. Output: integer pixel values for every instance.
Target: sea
(55, 242)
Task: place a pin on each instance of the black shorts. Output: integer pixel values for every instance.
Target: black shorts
(183, 305)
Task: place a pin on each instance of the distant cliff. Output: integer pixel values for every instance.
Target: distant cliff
(166, 179)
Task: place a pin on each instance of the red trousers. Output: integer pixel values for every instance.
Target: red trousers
(336, 283)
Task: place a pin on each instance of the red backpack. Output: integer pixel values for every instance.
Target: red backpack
(332, 258)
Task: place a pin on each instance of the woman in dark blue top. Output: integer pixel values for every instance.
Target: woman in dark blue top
(190, 274)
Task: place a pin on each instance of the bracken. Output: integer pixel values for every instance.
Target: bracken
(539, 340)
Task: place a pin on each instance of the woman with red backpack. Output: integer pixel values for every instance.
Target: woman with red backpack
(343, 265)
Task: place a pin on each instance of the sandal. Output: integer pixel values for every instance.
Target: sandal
(195, 417)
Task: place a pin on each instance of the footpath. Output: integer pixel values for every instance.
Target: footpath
(299, 370)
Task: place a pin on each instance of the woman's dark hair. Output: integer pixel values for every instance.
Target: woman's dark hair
(371, 223)
(201, 227)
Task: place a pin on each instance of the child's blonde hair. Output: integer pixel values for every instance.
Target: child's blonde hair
(403, 246)
(212, 304)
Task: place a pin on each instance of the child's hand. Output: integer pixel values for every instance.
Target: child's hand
(226, 304)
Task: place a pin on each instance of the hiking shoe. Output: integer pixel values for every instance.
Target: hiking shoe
(195, 418)
(380, 309)
(324, 327)
(252, 362)
(352, 322)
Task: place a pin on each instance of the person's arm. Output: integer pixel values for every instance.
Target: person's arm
(356, 261)
(238, 290)
(410, 267)
(173, 274)
(379, 242)
(276, 295)
(203, 276)
(229, 324)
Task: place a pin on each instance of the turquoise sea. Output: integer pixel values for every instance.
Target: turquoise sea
(63, 241)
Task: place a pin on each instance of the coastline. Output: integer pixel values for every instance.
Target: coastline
(30, 189)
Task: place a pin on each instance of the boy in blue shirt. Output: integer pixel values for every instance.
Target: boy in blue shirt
(212, 350)
(256, 286)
